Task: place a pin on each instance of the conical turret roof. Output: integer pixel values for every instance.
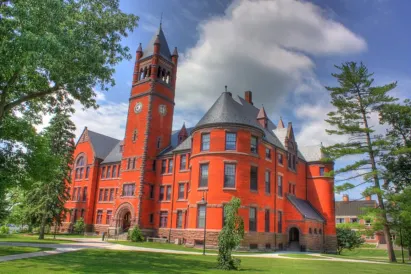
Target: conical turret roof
(164, 49)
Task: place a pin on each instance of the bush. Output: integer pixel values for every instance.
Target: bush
(4, 229)
(79, 226)
(135, 235)
(348, 239)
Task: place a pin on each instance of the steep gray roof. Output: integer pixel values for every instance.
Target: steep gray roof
(185, 145)
(352, 208)
(311, 153)
(174, 143)
(115, 155)
(164, 49)
(102, 144)
(305, 208)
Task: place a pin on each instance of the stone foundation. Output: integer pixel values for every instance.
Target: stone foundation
(330, 244)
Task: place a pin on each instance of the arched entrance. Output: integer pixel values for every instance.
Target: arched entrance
(126, 222)
(294, 235)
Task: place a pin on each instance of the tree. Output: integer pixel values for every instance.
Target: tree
(79, 226)
(230, 236)
(347, 239)
(355, 100)
(55, 48)
(136, 235)
(51, 165)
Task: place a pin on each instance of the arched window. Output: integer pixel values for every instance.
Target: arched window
(79, 168)
(163, 75)
(168, 78)
(145, 72)
(315, 231)
(149, 71)
(141, 74)
(159, 72)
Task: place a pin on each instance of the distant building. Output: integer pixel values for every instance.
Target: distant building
(347, 211)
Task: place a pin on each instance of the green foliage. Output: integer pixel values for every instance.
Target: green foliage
(230, 236)
(348, 239)
(355, 99)
(4, 230)
(79, 226)
(135, 235)
(55, 48)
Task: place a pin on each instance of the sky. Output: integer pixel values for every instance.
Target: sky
(284, 51)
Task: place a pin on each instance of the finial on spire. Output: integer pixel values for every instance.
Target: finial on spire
(225, 88)
(161, 20)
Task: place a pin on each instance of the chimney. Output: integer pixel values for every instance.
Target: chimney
(248, 95)
(368, 198)
(346, 198)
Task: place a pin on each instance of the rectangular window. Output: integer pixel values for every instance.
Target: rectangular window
(106, 194)
(151, 192)
(289, 188)
(118, 171)
(280, 222)
(229, 175)
(99, 216)
(128, 189)
(267, 181)
(108, 216)
(170, 166)
(87, 172)
(267, 153)
(163, 166)
(253, 144)
(201, 210)
(133, 166)
(151, 218)
(230, 141)
(161, 198)
(168, 198)
(75, 215)
(181, 191)
(103, 172)
(322, 171)
(179, 219)
(114, 173)
(82, 213)
(267, 220)
(112, 194)
(289, 160)
(280, 158)
(108, 172)
(84, 194)
(78, 194)
(205, 141)
(100, 196)
(163, 218)
(129, 163)
(340, 220)
(253, 178)
(280, 186)
(252, 221)
(354, 220)
(183, 162)
(294, 189)
(74, 193)
(203, 175)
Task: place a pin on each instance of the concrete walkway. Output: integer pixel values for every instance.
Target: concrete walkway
(83, 243)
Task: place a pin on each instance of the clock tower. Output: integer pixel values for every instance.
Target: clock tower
(150, 119)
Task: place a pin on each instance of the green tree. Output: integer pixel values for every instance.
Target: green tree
(355, 100)
(52, 160)
(348, 239)
(136, 235)
(79, 226)
(55, 48)
(230, 236)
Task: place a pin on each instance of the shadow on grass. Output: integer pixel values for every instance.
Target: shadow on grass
(95, 261)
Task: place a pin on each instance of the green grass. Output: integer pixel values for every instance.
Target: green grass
(299, 256)
(379, 255)
(110, 261)
(368, 246)
(12, 250)
(21, 238)
(71, 236)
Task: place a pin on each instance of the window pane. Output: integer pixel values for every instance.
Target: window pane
(163, 166)
(267, 182)
(179, 219)
(183, 162)
(181, 191)
(253, 178)
(161, 193)
(168, 193)
(253, 144)
(205, 141)
(170, 166)
(203, 175)
(230, 141)
(268, 153)
(267, 220)
(280, 186)
(201, 216)
(229, 175)
(253, 219)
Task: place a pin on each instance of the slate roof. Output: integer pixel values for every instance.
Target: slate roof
(305, 208)
(102, 144)
(186, 144)
(164, 49)
(115, 155)
(311, 153)
(352, 208)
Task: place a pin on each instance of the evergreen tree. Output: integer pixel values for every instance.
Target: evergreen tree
(355, 100)
(54, 157)
(348, 239)
(230, 236)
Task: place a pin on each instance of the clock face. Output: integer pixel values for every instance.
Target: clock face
(162, 109)
(138, 107)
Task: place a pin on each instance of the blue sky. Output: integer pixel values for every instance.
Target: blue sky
(282, 50)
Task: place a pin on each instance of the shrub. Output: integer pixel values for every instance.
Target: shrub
(79, 226)
(348, 239)
(135, 235)
(4, 229)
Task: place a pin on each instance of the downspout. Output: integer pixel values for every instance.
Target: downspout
(93, 215)
(172, 195)
(275, 197)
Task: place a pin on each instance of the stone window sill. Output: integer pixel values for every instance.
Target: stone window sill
(184, 170)
(166, 201)
(230, 188)
(202, 189)
(182, 200)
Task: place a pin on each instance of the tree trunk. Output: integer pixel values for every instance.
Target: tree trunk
(42, 228)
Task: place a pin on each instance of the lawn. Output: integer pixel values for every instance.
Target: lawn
(299, 256)
(11, 250)
(110, 261)
(163, 246)
(379, 255)
(22, 238)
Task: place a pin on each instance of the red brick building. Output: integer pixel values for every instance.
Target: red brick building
(156, 178)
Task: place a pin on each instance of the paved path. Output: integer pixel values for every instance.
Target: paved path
(83, 243)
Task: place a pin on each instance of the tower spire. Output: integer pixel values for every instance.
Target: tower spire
(161, 19)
